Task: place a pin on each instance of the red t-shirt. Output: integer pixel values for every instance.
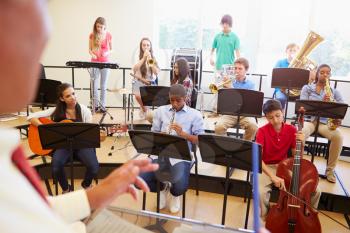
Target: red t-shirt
(104, 47)
(275, 145)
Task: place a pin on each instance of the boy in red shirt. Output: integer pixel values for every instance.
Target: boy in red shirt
(276, 139)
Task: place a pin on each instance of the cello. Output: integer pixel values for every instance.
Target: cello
(290, 215)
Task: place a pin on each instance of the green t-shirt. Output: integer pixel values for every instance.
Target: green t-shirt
(225, 45)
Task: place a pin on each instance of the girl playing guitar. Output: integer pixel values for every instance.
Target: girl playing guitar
(68, 108)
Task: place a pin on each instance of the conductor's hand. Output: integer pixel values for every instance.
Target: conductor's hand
(120, 181)
(278, 182)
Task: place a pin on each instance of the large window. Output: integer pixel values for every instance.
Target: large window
(264, 28)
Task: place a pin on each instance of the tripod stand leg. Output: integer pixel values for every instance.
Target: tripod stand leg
(225, 195)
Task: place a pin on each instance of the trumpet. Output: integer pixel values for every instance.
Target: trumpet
(151, 62)
(214, 88)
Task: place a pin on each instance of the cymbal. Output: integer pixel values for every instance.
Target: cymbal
(121, 91)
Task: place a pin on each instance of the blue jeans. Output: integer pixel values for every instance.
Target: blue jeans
(178, 175)
(99, 75)
(62, 156)
(281, 97)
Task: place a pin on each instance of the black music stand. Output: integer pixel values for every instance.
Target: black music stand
(69, 136)
(166, 146)
(231, 153)
(321, 109)
(289, 78)
(154, 96)
(240, 102)
(47, 92)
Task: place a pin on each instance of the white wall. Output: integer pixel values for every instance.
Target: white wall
(72, 22)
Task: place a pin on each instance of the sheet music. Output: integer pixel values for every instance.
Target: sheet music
(107, 222)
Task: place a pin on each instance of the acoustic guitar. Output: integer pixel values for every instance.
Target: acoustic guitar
(34, 138)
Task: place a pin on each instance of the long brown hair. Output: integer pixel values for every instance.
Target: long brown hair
(60, 112)
(184, 71)
(143, 68)
(97, 39)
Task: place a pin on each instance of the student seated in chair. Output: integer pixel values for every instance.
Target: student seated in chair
(276, 139)
(184, 121)
(68, 108)
(241, 66)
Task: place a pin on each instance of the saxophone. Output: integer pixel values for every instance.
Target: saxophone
(328, 91)
(301, 60)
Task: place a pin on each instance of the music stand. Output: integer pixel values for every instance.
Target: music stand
(240, 102)
(231, 153)
(289, 78)
(69, 136)
(155, 96)
(321, 109)
(166, 146)
(47, 92)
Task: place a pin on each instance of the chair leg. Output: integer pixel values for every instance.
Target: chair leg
(245, 189)
(144, 201)
(56, 186)
(158, 196)
(248, 209)
(197, 181)
(183, 205)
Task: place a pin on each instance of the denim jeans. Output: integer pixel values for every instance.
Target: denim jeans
(99, 75)
(178, 175)
(62, 156)
(281, 97)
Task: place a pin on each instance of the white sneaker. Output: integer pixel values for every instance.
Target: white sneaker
(163, 195)
(174, 204)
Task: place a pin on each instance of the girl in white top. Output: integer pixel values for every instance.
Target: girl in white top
(68, 108)
(145, 72)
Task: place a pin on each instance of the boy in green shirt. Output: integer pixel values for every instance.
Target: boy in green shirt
(226, 45)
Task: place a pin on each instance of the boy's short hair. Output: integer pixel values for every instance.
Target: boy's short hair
(242, 61)
(292, 45)
(227, 19)
(272, 105)
(177, 90)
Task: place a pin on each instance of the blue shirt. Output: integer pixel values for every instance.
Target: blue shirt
(309, 93)
(188, 118)
(283, 63)
(245, 84)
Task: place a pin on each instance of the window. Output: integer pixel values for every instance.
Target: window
(264, 29)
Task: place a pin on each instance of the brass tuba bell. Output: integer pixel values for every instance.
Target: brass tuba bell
(301, 60)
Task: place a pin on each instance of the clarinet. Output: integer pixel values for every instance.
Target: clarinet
(171, 119)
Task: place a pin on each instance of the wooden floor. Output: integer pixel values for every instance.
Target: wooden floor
(207, 206)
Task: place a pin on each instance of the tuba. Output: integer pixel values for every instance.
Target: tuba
(301, 60)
